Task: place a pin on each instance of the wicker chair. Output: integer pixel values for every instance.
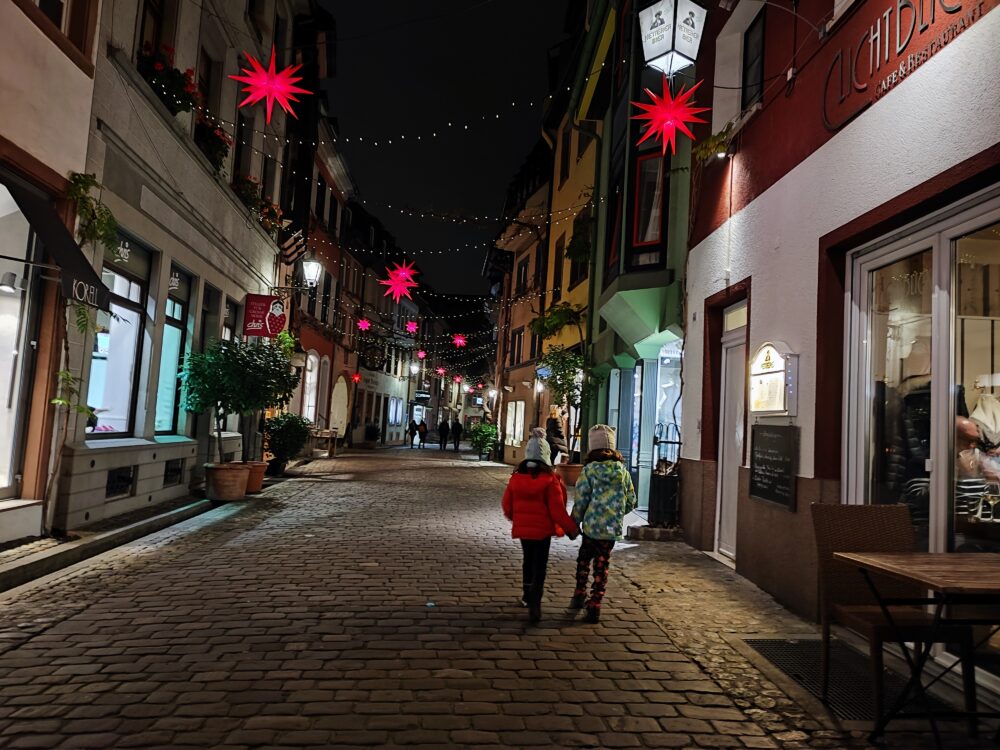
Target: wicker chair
(846, 599)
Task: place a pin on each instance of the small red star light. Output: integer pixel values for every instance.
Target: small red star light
(667, 114)
(479, 386)
(400, 281)
(421, 354)
(458, 378)
(364, 324)
(411, 326)
(270, 85)
(458, 340)
(441, 371)
(356, 377)
(468, 389)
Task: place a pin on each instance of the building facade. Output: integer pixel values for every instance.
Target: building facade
(880, 295)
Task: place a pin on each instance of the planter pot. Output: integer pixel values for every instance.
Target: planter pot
(255, 483)
(276, 468)
(226, 481)
(569, 473)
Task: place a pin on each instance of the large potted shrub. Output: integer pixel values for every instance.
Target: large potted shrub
(484, 438)
(272, 381)
(215, 381)
(570, 382)
(285, 436)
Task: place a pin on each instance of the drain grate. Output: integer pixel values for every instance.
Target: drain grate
(851, 695)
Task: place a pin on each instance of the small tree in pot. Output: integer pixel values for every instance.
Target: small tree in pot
(285, 435)
(571, 382)
(215, 381)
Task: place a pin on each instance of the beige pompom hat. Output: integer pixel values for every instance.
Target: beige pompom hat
(601, 437)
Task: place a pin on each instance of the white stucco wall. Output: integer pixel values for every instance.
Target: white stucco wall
(944, 113)
(45, 108)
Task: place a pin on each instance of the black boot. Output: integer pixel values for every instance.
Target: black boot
(593, 615)
(524, 596)
(577, 601)
(534, 613)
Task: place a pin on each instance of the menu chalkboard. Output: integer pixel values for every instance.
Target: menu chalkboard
(774, 463)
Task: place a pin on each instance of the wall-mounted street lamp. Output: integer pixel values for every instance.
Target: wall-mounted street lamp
(671, 34)
(414, 368)
(312, 269)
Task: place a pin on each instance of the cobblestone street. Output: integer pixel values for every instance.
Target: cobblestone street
(372, 601)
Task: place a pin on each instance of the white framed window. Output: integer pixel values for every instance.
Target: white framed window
(310, 387)
(515, 423)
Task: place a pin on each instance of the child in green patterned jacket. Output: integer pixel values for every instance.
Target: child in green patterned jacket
(604, 496)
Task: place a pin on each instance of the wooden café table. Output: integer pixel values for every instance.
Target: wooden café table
(966, 579)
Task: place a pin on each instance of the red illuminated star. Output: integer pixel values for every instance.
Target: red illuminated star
(458, 378)
(458, 340)
(441, 371)
(364, 324)
(667, 114)
(270, 85)
(411, 326)
(421, 354)
(400, 281)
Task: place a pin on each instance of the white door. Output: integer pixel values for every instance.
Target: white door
(731, 438)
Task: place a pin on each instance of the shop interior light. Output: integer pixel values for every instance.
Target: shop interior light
(8, 283)
(312, 269)
(493, 392)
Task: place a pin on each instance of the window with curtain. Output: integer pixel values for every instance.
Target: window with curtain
(310, 387)
(522, 277)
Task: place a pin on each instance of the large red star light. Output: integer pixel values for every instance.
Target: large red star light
(411, 326)
(458, 340)
(667, 114)
(400, 281)
(269, 85)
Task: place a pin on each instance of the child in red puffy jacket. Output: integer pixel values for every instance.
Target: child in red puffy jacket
(535, 501)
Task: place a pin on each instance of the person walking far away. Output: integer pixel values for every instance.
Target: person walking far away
(443, 433)
(422, 430)
(412, 429)
(456, 432)
(535, 503)
(555, 435)
(604, 496)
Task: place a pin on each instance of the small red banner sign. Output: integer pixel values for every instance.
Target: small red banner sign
(263, 315)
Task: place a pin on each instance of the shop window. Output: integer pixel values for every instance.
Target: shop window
(753, 63)
(648, 225)
(115, 359)
(310, 387)
(667, 433)
(172, 351)
(557, 269)
(173, 472)
(521, 286)
(120, 482)
(516, 344)
(229, 321)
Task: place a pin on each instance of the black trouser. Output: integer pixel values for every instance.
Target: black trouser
(536, 560)
(413, 438)
(444, 440)
(457, 439)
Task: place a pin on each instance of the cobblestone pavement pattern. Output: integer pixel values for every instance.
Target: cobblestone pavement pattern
(371, 602)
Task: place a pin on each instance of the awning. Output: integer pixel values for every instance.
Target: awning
(80, 282)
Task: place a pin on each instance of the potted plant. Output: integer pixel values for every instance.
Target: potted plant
(247, 189)
(272, 382)
(372, 435)
(213, 141)
(270, 216)
(215, 381)
(285, 436)
(571, 383)
(484, 438)
(177, 90)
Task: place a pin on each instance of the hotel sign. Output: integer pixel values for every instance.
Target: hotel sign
(774, 381)
(883, 43)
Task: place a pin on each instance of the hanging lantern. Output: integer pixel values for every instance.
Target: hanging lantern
(668, 114)
(269, 85)
(400, 281)
(364, 324)
(458, 340)
(671, 34)
(411, 326)
(312, 269)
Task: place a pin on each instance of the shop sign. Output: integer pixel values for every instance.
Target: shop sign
(671, 34)
(773, 375)
(175, 282)
(423, 397)
(264, 315)
(885, 43)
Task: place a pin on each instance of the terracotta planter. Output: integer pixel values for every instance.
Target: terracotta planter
(255, 483)
(569, 473)
(226, 481)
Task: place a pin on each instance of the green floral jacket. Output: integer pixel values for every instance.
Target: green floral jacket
(604, 496)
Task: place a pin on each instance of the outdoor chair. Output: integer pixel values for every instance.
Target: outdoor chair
(846, 598)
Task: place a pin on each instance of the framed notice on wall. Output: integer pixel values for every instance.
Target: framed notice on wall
(774, 463)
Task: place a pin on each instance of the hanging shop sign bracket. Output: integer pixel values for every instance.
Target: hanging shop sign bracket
(774, 381)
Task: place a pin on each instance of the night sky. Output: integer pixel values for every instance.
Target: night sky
(409, 68)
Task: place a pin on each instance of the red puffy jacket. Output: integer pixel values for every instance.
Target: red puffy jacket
(537, 505)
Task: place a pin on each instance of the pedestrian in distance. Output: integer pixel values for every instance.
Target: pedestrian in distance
(443, 433)
(535, 503)
(456, 432)
(604, 496)
(422, 431)
(412, 429)
(555, 435)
